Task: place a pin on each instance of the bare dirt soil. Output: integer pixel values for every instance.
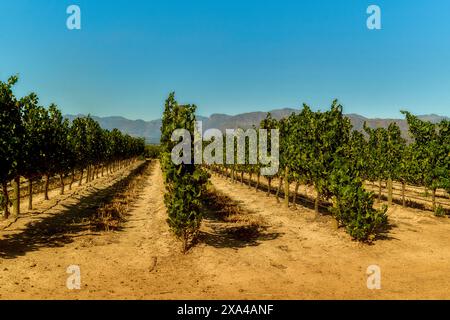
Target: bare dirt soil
(270, 252)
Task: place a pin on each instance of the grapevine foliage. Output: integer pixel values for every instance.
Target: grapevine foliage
(185, 183)
(430, 153)
(36, 141)
(320, 149)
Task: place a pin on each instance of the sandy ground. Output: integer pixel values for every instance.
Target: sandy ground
(294, 257)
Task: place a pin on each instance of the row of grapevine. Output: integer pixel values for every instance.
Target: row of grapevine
(320, 149)
(428, 158)
(38, 142)
(382, 156)
(425, 161)
(185, 183)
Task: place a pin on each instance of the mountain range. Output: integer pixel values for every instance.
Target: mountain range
(150, 130)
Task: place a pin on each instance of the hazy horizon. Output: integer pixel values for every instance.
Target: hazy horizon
(237, 114)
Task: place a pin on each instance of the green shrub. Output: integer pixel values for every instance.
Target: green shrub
(440, 212)
(185, 183)
(353, 206)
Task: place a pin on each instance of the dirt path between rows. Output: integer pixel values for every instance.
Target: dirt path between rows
(293, 257)
(141, 261)
(312, 260)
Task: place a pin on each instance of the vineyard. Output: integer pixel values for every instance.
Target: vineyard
(320, 150)
(325, 156)
(340, 201)
(38, 143)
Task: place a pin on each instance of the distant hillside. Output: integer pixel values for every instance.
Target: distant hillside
(150, 130)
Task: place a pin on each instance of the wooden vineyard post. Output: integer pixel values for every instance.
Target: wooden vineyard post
(30, 194)
(286, 187)
(47, 182)
(433, 198)
(389, 192)
(297, 185)
(16, 190)
(279, 188)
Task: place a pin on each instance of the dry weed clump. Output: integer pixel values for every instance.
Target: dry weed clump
(110, 216)
(244, 224)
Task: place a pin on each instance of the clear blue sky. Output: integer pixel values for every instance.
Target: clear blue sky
(229, 56)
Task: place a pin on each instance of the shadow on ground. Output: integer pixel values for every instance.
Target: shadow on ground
(228, 225)
(304, 201)
(300, 200)
(63, 227)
